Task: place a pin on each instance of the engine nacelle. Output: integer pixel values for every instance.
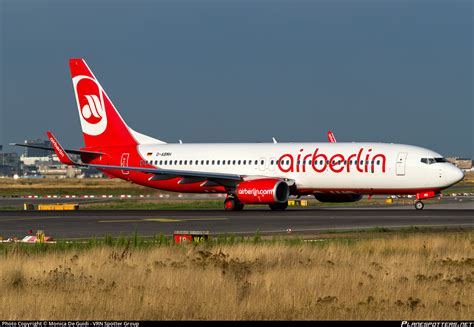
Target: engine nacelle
(330, 197)
(263, 191)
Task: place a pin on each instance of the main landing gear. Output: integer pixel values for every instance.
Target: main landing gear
(278, 206)
(232, 204)
(419, 205)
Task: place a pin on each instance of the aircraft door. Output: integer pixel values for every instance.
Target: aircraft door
(124, 162)
(401, 163)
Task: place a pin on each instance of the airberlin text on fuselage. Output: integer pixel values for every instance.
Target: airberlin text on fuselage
(363, 161)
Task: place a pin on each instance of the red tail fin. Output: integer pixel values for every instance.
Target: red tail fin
(101, 123)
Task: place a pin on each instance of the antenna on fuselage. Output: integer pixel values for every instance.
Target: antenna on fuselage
(180, 142)
(274, 141)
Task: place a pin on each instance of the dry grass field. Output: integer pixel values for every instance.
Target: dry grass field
(418, 276)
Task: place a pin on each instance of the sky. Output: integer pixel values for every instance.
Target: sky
(394, 71)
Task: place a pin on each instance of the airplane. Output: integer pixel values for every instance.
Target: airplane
(260, 173)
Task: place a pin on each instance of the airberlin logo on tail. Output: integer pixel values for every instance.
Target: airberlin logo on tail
(90, 102)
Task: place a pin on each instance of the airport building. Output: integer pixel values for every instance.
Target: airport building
(9, 164)
(39, 163)
(461, 163)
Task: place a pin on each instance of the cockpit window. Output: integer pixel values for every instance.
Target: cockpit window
(430, 161)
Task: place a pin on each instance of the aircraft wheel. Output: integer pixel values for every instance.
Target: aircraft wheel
(278, 206)
(419, 205)
(232, 204)
(229, 204)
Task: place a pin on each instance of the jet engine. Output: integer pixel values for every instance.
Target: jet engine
(263, 191)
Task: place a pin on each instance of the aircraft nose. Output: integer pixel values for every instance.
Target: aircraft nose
(454, 174)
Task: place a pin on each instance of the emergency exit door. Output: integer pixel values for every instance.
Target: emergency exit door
(401, 163)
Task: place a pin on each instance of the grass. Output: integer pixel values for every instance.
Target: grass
(40, 187)
(401, 277)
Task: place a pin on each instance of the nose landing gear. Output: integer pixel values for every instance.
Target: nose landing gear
(419, 205)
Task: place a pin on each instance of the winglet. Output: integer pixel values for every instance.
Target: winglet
(331, 137)
(62, 155)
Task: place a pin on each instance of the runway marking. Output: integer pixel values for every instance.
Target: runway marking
(160, 220)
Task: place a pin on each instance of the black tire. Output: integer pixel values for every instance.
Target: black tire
(229, 204)
(278, 206)
(419, 205)
(232, 204)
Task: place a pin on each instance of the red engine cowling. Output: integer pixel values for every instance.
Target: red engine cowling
(265, 191)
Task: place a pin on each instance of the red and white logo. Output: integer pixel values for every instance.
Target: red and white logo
(90, 102)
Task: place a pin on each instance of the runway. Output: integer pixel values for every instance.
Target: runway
(98, 223)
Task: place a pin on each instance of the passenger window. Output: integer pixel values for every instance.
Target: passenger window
(185, 162)
(181, 162)
(233, 162)
(218, 162)
(161, 162)
(262, 162)
(245, 162)
(223, 162)
(207, 162)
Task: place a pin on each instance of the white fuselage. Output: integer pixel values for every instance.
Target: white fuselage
(315, 167)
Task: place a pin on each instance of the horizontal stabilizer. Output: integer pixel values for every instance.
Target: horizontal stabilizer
(83, 152)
